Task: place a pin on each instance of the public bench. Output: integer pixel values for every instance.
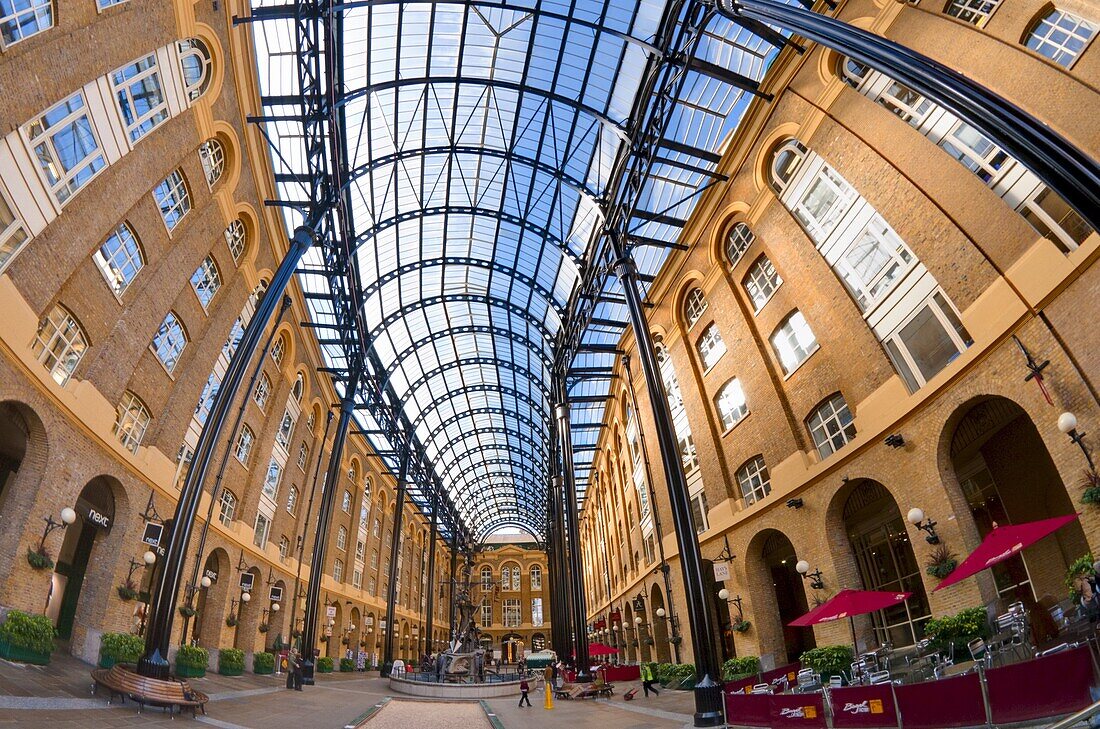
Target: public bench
(585, 691)
(124, 682)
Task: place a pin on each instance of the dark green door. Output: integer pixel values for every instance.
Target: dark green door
(75, 573)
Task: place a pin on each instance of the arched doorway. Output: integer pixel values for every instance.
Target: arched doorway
(885, 560)
(538, 642)
(659, 626)
(630, 636)
(785, 601)
(511, 648)
(1007, 476)
(95, 509)
(15, 434)
(249, 615)
(720, 612)
(212, 601)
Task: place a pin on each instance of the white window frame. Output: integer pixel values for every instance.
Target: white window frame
(191, 52)
(695, 305)
(227, 507)
(738, 240)
(206, 281)
(731, 404)
(261, 528)
(173, 199)
(262, 391)
(212, 157)
(121, 262)
(1066, 24)
(342, 539)
(236, 239)
(945, 315)
(292, 500)
(790, 342)
(899, 260)
(278, 350)
(40, 134)
(284, 547)
(286, 430)
(132, 420)
(338, 569)
(761, 282)
(512, 612)
(345, 502)
(272, 478)
(14, 234)
(754, 480)
(710, 346)
(536, 577)
(169, 342)
(243, 448)
(59, 344)
(973, 12)
(13, 24)
(303, 455)
(143, 76)
(830, 424)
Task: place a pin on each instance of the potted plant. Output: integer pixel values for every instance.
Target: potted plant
(324, 664)
(941, 562)
(231, 661)
(191, 661)
(27, 638)
(39, 558)
(1091, 483)
(264, 627)
(828, 660)
(344, 640)
(127, 592)
(346, 665)
(231, 621)
(120, 648)
(187, 611)
(362, 644)
(675, 640)
(263, 664)
(649, 641)
(681, 676)
(958, 629)
(1081, 568)
(741, 667)
(741, 626)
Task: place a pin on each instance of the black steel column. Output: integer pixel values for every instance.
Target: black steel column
(324, 518)
(708, 692)
(395, 545)
(154, 663)
(451, 596)
(557, 623)
(1065, 169)
(561, 575)
(569, 486)
(430, 627)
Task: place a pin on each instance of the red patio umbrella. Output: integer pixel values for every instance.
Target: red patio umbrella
(847, 603)
(1002, 543)
(599, 649)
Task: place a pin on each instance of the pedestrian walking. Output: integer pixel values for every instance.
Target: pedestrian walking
(648, 680)
(524, 689)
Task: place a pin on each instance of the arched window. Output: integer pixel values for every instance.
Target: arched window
(212, 156)
(206, 281)
(975, 12)
(711, 346)
(60, 344)
(738, 240)
(785, 162)
(279, 350)
(342, 539)
(245, 439)
(338, 570)
(695, 303)
(486, 578)
(515, 579)
(262, 391)
(173, 199)
(346, 503)
(292, 500)
(119, 258)
(299, 387)
(761, 282)
(227, 507)
(195, 63)
(731, 404)
(536, 578)
(131, 421)
(1060, 36)
(793, 341)
(169, 341)
(831, 425)
(235, 239)
(754, 480)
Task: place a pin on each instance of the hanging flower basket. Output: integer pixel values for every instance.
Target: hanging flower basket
(649, 641)
(941, 562)
(675, 640)
(264, 627)
(742, 626)
(231, 621)
(187, 611)
(1091, 484)
(39, 559)
(126, 592)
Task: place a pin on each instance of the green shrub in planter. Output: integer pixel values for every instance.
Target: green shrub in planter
(191, 661)
(120, 648)
(324, 665)
(681, 676)
(27, 638)
(39, 559)
(740, 667)
(263, 663)
(828, 660)
(346, 665)
(231, 661)
(663, 672)
(958, 629)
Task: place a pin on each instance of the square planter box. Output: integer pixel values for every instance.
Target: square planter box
(230, 671)
(15, 653)
(325, 669)
(264, 671)
(189, 672)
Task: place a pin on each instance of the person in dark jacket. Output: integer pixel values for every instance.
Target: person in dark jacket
(524, 689)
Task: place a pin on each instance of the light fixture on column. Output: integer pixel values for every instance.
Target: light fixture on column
(1067, 423)
(205, 582)
(68, 516)
(916, 518)
(803, 568)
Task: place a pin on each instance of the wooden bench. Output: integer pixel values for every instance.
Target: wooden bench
(125, 682)
(584, 691)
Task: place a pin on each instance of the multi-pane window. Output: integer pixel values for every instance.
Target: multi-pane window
(286, 427)
(13, 234)
(260, 531)
(1061, 36)
(357, 578)
(172, 198)
(754, 480)
(245, 439)
(699, 512)
(195, 65)
(262, 391)
(975, 151)
(342, 539)
(694, 305)
(345, 503)
(206, 281)
(140, 96)
(212, 156)
(292, 500)
(738, 240)
(131, 421)
(731, 404)
(1055, 220)
(279, 350)
(21, 19)
(119, 258)
(761, 282)
(169, 341)
(536, 578)
(486, 578)
(711, 347)
(975, 12)
(873, 263)
(513, 617)
(271, 480)
(823, 204)
(486, 616)
(227, 507)
(372, 586)
(831, 425)
(536, 612)
(374, 559)
(235, 239)
(927, 341)
(59, 344)
(104, 4)
(338, 569)
(284, 547)
(793, 342)
(360, 548)
(375, 528)
(65, 145)
(303, 454)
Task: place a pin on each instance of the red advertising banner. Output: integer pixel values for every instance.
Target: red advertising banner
(744, 684)
(749, 709)
(1049, 686)
(622, 673)
(797, 710)
(789, 672)
(864, 706)
(949, 702)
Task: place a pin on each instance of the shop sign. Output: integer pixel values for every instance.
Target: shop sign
(276, 594)
(247, 579)
(721, 571)
(212, 574)
(153, 532)
(93, 516)
(330, 612)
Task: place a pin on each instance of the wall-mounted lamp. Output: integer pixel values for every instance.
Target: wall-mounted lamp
(794, 503)
(206, 582)
(916, 518)
(724, 594)
(895, 440)
(68, 516)
(147, 560)
(1067, 423)
(803, 568)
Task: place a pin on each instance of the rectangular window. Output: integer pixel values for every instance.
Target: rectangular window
(172, 199)
(929, 341)
(303, 454)
(372, 586)
(754, 480)
(486, 616)
(536, 611)
(119, 258)
(104, 4)
(688, 455)
(13, 236)
(906, 104)
(823, 204)
(512, 615)
(65, 145)
(286, 427)
(794, 342)
(1055, 220)
(271, 481)
(359, 549)
(141, 100)
(357, 579)
(1061, 36)
(21, 19)
(975, 12)
(649, 547)
(711, 346)
(975, 151)
(761, 282)
(873, 263)
(831, 426)
(263, 525)
(338, 570)
(699, 512)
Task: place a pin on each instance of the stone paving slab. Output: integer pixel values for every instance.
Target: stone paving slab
(404, 713)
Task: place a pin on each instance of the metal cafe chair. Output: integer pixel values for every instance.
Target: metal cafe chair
(880, 677)
(762, 688)
(979, 651)
(836, 682)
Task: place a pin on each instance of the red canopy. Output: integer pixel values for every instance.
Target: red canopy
(847, 603)
(599, 649)
(1002, 543)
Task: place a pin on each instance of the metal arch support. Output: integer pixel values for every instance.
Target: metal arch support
(487, 462)
(468, 492)
(495, 331)
(376, 285)
(483, 387)
(489, 527)
(538, 445)
(472, 211)
(472, 413)
(487, 299)
(424, 379)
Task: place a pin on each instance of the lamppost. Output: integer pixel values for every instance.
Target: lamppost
(1067, 423)
(803, 568)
